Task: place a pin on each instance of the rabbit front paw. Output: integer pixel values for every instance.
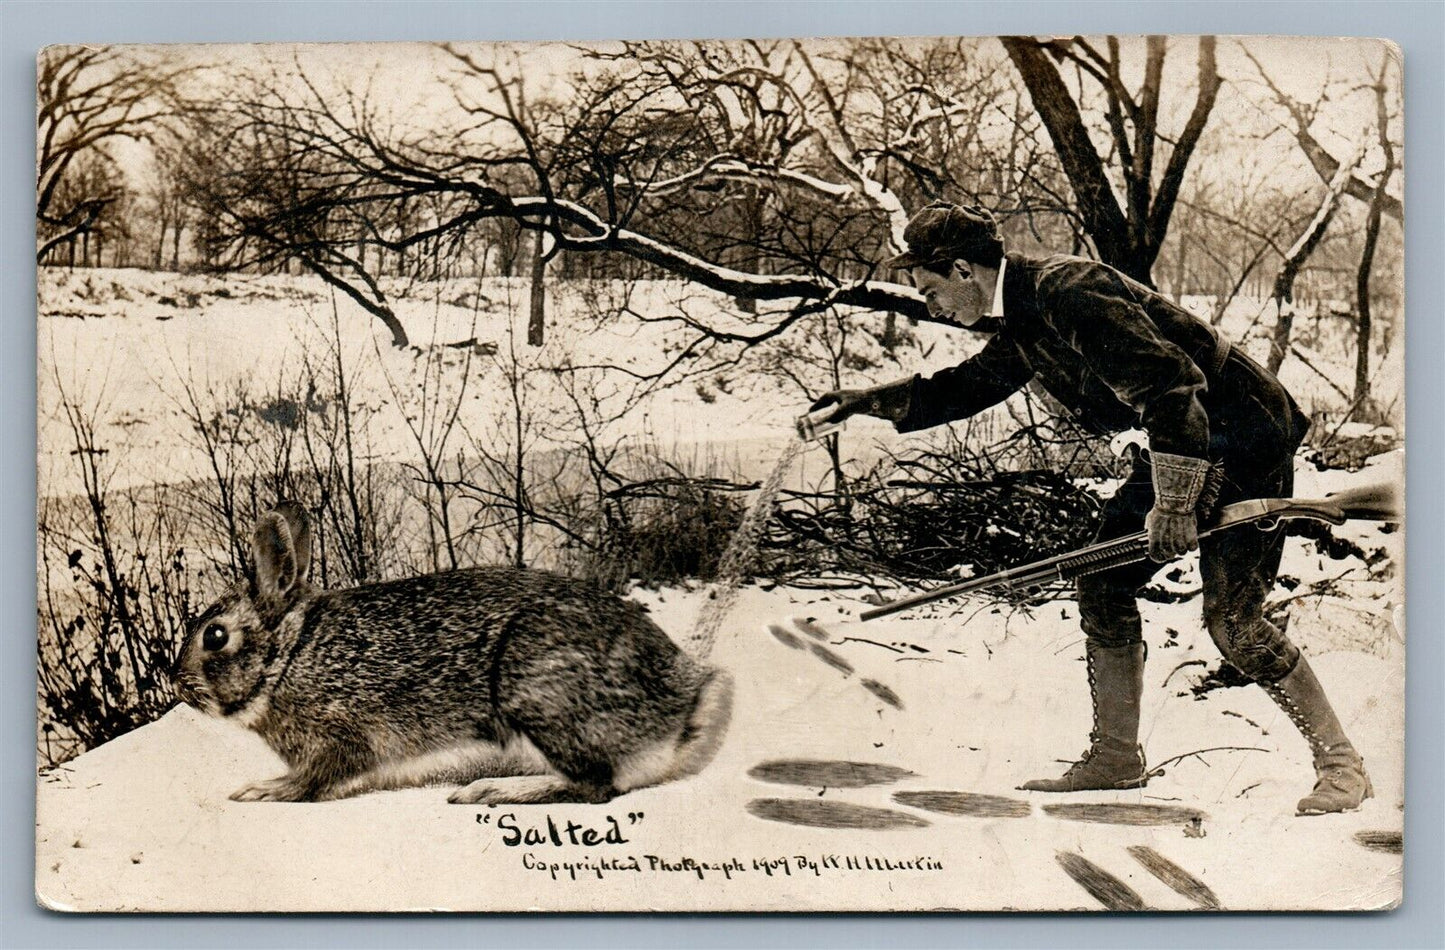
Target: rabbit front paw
(283, 789)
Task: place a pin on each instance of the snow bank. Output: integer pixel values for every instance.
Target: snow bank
(990, 698)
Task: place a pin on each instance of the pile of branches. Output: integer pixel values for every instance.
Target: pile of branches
(929, 517)
(1350, 453)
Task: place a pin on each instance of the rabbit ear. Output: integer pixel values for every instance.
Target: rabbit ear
(300, 526)
(277, 569)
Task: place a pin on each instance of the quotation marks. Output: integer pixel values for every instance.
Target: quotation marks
(485, 817)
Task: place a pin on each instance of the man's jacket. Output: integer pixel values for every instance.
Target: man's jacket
(1116, 354)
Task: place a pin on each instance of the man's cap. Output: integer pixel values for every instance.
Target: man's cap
(944, 231)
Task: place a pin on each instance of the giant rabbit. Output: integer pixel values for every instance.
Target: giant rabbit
(518, 686)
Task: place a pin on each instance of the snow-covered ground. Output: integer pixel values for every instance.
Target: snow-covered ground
(989, 699)
(990, 696)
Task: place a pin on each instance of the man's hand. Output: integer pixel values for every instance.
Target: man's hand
(889, 401)
(1178, 482)
(848, 401)
(1171, 535)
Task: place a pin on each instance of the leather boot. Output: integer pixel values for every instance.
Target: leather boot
(1340, 780)
(1114, 758)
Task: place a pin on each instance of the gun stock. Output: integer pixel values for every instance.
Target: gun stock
(1378, 502)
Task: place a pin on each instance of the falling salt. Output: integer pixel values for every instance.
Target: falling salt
(738, 559)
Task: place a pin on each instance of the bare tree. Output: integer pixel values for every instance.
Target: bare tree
(1129, 238)
(1299, 253)
(278, 187)
(1233, 220)
(1302, 116)
(167, 199)
(1344, 178)
(88, 97)
(311, 181)
(93, 189)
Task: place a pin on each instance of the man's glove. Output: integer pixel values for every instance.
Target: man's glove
(1178, 481)
(889, 401)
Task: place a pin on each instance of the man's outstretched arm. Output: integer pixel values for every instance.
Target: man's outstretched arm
(988, 378)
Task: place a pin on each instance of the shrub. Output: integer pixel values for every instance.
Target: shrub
(106, 639)
(663, 531)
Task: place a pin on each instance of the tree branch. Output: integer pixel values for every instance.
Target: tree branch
(1168, 193)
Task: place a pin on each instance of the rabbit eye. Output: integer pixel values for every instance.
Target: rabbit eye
(215, 637)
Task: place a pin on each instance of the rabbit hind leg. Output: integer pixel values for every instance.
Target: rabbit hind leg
(532, 790)
(575, 775)
(459, 764)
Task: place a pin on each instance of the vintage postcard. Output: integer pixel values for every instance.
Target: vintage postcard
(789, 475)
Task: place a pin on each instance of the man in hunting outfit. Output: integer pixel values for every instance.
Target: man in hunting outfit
(1118, 355)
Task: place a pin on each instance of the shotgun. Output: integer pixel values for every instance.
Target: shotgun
(1379, 502)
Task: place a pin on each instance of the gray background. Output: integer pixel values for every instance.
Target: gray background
(26, 26)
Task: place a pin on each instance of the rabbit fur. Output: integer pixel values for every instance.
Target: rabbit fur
(518, 686)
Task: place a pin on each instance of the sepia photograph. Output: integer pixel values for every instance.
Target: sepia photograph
(848, 474)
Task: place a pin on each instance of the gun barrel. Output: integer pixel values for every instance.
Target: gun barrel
(1062, 567)
(1016, 577)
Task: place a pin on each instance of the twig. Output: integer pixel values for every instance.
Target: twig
(1159, 769)
(1231, 712)
(1319, 588)
(1180, 667)
(1299, 355)
(875, 643)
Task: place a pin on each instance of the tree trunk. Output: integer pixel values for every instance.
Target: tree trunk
(1296, 257)
(519, 469)
(538, 316)
(751, 258)
(1097, 205)
(1283, 293)
(1367, 255)
(1362, 303)
(1129, 241)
